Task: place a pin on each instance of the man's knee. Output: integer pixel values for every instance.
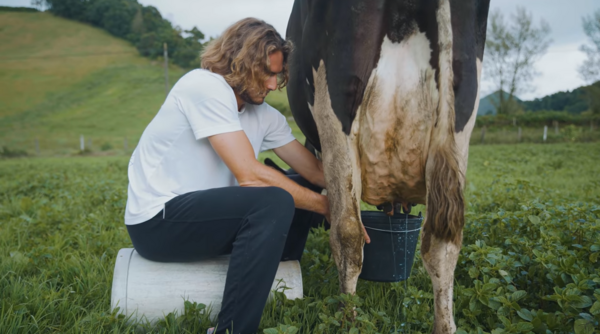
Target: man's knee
(274, 211)
(274, 202)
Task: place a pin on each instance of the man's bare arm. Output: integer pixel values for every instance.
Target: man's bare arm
(303, 162)
(235, 150)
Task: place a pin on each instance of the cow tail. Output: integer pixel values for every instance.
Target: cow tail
(445, 201)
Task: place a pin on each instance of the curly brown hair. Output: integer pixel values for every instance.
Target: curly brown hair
(241, 55)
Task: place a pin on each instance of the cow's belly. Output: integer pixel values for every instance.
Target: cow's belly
(395, 123)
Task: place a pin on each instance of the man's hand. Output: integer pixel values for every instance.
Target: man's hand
(367, 239)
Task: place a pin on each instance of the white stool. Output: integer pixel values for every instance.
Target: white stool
(154, 289)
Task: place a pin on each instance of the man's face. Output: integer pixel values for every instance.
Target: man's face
(276, 61)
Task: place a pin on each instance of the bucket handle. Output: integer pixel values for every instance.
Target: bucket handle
(376, 229)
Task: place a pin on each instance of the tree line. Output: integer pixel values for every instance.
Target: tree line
(17, 9)
(574, 102)
(142, 25)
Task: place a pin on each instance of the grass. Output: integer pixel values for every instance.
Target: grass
(61, 228)
(510, 135)
(568, 170)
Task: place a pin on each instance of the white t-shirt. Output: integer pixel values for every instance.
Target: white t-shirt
(174, 156)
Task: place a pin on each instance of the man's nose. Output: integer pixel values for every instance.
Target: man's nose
(272, 83)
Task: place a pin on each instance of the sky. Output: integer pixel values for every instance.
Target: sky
(557, 68)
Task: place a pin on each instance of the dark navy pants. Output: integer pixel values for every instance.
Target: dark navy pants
(258, 226)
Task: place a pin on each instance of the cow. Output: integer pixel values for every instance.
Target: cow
(387, 91)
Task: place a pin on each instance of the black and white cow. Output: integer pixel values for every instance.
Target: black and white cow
(388, 90)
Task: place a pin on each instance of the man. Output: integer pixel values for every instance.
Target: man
(196, 189)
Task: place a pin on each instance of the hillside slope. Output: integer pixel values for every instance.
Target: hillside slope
(41, 54)
(60, 79)
(487, 104)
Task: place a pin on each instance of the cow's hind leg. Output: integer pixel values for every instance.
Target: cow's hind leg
(440, 259)
(342, 176)
(441, 238)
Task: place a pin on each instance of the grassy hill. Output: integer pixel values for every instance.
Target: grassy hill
(60, 79)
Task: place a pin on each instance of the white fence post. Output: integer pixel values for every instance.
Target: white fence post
(545, 132)
(82, 143)
(482, 134)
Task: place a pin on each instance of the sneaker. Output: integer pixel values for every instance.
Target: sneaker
(210, 330)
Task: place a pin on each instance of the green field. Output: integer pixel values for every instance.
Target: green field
(60, 79)
(529, 263)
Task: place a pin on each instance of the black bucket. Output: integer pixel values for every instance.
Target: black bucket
(390, 255)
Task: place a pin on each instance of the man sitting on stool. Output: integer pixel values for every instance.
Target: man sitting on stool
(196, 189)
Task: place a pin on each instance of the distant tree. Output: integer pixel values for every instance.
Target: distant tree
(71, 9)
(188, 54)
(154, 31)
(119, 17)
(115, 16)
(511, 49)
(137, 26)
(153, 21)
(39, 4)
(590, 69)
(196, 34)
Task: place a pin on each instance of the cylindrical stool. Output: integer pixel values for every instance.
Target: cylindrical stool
(151, 290)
